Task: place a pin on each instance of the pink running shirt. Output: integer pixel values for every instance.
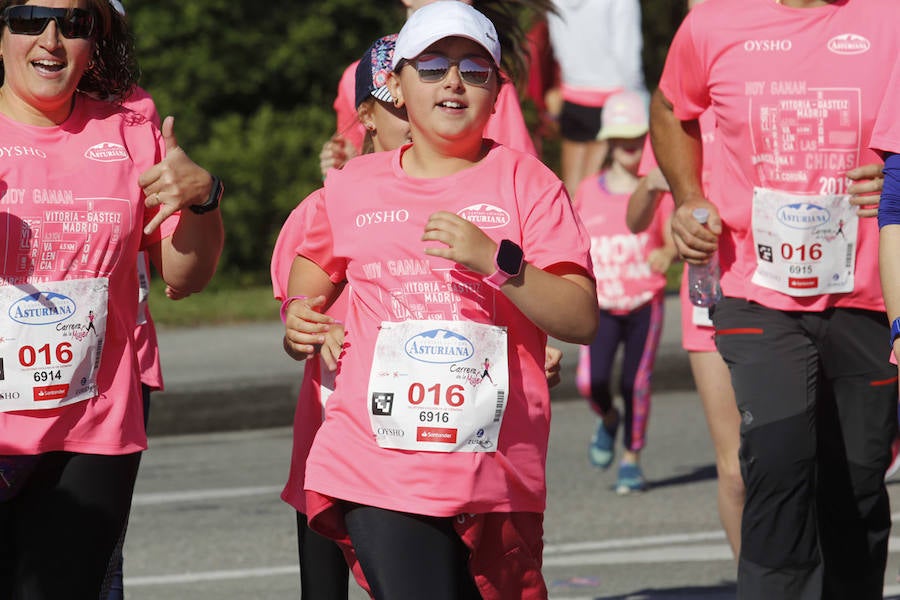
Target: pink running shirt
(886, 137)
(625, 282)
(377, 248)
(811, 94)
(73, 210)
(146, 342)
(309, 412)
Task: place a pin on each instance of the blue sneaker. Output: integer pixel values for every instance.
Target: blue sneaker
(600, 452)
(631, 479)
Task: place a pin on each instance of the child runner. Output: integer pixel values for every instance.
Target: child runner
(506, 125)
(435, 475)
(630, 271)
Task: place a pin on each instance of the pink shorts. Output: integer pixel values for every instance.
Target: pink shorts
(694, 337)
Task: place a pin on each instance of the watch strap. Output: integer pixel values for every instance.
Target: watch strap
(215, 196)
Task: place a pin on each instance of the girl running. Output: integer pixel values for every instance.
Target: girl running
(463, 249)
(630, 271)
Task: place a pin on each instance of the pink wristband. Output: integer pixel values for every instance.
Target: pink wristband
(285, 304)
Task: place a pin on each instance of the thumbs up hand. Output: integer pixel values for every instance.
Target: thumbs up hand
(174, 183)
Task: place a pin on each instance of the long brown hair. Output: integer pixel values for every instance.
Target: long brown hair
(114, 70)
(507, 17)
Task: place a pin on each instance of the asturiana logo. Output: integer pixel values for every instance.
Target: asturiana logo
(42, 309)
(803, 215)
(107, 152)
(439, 346)
(849, 43)
(486, 216)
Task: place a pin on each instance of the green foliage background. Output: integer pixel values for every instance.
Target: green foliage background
(251, 86)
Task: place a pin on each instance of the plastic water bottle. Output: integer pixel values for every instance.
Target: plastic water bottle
(703, 280)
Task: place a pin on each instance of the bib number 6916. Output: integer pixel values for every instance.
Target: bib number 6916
(452, 396)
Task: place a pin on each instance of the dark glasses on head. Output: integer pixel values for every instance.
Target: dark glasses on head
(474, 70)
(32, 20)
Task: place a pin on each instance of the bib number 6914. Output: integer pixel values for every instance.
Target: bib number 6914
(452, 396)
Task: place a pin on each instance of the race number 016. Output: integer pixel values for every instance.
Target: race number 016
(802, 252)
(28, 355)
(452, 396)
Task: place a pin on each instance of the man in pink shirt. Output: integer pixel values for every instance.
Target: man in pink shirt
(795, 98)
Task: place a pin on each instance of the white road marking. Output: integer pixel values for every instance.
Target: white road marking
(669, 548)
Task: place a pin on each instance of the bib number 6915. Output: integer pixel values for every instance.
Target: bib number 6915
(452, 396)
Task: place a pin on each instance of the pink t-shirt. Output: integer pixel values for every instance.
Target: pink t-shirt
(624, 279)
(795, 95)
(377, 248)
(309, 412)
(506, 125)
(73, 210)
(146, 342)
(886, 135)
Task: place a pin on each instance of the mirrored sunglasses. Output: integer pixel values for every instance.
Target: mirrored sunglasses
(32, 20)
(474, 70)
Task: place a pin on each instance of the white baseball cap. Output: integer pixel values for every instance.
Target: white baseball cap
(443, 19)
(624, 116)
(118, 7)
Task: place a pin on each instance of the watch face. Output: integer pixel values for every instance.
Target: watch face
(509, 258)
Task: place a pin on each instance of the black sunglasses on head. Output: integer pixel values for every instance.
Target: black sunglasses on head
(32, 20)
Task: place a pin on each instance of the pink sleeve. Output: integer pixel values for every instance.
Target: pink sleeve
(142, 103)
(886, 134)
(348, 124)
(648, 159)
(507, 125)
(290, 236)
(553, 234)
(317, 241)
(684, 78)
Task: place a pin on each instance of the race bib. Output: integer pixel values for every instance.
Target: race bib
(51, 342)
(439, 386)
(805, 245)
(700, 316)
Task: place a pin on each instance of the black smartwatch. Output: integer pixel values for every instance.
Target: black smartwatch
(508, 261)
(212, 203)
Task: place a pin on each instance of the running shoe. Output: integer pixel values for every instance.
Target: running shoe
(895, 458)
(631, 479)
(600, 452)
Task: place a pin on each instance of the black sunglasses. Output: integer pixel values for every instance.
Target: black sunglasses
(32, 20)
(433, 67)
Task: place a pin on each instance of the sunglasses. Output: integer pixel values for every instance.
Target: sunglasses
(32, 20)
(474, 70)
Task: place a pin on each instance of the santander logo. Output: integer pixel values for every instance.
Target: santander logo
(849, 43)
(107, 152)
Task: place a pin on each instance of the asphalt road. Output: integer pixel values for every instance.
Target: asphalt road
(208, 523)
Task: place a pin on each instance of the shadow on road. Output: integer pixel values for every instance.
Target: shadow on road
(701, 473)
(723, 591)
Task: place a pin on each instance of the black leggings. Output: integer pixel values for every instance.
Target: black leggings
(57, 534)
(410, 557)
(323, 569)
